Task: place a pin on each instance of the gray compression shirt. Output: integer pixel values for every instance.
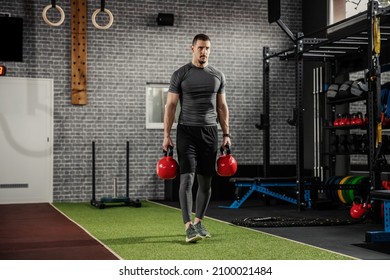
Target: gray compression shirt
(198, 88)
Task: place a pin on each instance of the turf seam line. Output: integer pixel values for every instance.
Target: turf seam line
(266, 233)
(87, 232)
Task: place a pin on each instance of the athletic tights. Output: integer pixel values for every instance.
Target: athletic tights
(202, 197)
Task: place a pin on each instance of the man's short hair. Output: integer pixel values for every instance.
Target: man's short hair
(202, 37)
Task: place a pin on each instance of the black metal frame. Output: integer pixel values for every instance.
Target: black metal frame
(111, 201)
(264, 117)
(347, 41)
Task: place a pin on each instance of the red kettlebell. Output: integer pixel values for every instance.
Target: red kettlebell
(353, 119)
(226, 163)
(167, 166)
(365, 119)
(347, 119)
(386, 184)
(359, 209)
(343, 120)
(359, 119)
(337, 120)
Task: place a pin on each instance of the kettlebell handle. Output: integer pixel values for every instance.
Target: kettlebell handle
(227, 149)
(169, 151)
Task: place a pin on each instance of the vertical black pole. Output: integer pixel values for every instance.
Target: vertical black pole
(265, 116)
(374, 105)
(299, 124)
(93, 172)
(374, 88)
(127, 168)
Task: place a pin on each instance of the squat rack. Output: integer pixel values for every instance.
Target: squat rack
(346, 40)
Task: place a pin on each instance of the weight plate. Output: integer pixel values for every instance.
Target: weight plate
(337, 180)
(344, 191)
(340, 191)
(328, 190)
(352, 192)
(349, 189)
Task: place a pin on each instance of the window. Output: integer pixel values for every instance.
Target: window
(342, 9)
(156, 97)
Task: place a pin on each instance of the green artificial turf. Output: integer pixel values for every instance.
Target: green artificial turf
(156, 232)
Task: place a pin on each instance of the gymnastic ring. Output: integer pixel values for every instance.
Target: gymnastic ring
(58, 23)
(108, 25)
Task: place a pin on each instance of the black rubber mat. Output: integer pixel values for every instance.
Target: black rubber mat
(291, 222)
(377, 247)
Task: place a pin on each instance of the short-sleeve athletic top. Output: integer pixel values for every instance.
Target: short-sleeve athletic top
(198, 88)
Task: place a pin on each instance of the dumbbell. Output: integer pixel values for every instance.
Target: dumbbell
(333, 143)
(343, 144)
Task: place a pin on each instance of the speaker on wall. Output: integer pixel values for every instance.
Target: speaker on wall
(165, 19)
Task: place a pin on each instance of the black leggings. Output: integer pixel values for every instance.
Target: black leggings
(202, 197)
(197, 151)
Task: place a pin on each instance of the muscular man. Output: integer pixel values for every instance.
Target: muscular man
(200, 88)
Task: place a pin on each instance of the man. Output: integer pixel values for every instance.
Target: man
(200, 88)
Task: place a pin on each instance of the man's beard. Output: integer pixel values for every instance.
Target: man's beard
(201, 62)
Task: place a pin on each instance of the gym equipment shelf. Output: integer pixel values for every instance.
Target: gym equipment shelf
(349, 45)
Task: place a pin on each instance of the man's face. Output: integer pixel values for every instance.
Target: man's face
(200, 52)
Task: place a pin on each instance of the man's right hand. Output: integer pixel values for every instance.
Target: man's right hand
(167, 142)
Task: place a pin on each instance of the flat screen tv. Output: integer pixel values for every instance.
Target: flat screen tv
(11, 39)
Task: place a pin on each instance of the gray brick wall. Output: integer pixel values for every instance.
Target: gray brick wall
(133, 52)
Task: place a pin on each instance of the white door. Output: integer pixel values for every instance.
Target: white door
(26, 140)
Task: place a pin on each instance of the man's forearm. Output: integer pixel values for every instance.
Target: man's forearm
(223, 116)
(169, 118)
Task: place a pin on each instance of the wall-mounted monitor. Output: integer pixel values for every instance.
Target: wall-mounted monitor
(273, 10)
(11, 39)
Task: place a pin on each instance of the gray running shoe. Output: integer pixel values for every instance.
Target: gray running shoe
(192, 235)
(202, 230)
